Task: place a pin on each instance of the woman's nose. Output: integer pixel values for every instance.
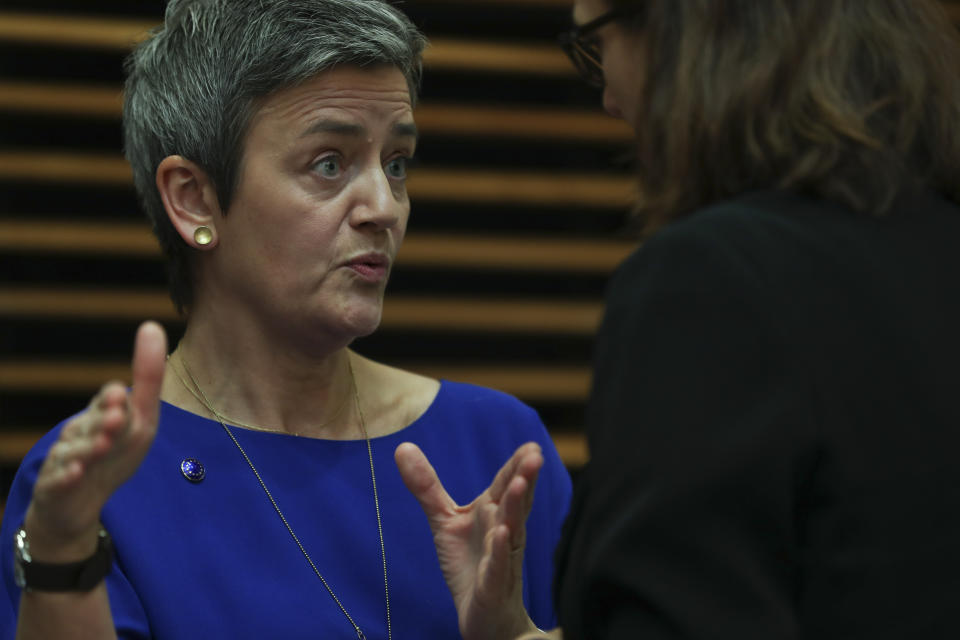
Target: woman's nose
(378, 204)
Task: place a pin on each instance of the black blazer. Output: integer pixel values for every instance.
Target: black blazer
(775, 430)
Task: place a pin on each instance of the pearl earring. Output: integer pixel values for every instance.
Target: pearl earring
(203, 236)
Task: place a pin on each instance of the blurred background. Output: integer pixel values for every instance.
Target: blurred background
(520, 197)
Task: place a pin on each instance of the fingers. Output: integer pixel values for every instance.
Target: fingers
(495, 571)
(421, 480)
(506, 540)
(524, 460)
(530, 471)
(512, 511)
(87, 436)
(58, 470)
(517, 499)
(67, 459)
(106, 423)
(149, 360)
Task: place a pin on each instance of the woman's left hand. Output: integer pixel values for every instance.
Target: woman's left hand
(480, 546)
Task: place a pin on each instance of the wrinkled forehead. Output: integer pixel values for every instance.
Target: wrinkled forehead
(369, 94)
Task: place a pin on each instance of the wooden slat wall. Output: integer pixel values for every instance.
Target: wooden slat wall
(518, 208)
(514, 229)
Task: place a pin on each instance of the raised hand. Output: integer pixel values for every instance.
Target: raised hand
(480, 546)
(96, 452)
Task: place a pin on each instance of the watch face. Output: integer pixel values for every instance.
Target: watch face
(20, 555)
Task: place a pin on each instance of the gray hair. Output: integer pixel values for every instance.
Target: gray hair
(194, 84)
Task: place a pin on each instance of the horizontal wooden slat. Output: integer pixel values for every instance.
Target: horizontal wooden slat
(522, 188)
(89, 304)
(529, 382)
(505, 252)
(521, 123)
(15, 443)
(432, 119)
(62, 236)
(495, 57)
(469, 251)
(572, 448)
(61, 98)
(100, 169)
(59, 376)
(400, 312)
(515, 316)
(452, 185)
(117, 34)
(73, 30)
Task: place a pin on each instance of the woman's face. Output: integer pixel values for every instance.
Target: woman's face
(621, 60)
(321, 205)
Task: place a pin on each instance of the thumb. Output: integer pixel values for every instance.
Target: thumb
(149, 361)
(421, 480)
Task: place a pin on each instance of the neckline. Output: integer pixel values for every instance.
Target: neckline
(431, 408)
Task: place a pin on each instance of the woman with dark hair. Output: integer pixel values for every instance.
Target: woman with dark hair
(774, 422)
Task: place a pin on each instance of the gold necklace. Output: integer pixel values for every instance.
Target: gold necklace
(202, 398)
(247, 425)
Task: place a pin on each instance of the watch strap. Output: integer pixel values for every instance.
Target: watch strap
(68, 576)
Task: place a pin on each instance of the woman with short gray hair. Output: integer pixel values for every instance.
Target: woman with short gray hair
(254, 483)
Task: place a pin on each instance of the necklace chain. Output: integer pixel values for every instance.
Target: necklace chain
(247, 425)
(202, 398)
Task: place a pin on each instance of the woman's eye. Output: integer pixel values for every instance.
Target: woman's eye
(328, 167)
(397, 168)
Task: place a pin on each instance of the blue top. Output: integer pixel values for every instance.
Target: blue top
(213, 559)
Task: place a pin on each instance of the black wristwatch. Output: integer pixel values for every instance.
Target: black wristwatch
(69, 576)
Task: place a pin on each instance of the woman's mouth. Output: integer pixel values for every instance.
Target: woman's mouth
(371, 267)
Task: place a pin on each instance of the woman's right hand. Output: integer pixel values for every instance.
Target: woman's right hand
(97, 451)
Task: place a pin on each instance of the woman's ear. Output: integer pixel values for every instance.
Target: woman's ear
(190, 199)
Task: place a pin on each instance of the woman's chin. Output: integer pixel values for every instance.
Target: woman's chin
(363, 322)
(342, 324)
(366, 330)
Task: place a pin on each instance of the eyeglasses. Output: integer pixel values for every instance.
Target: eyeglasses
(584, 52)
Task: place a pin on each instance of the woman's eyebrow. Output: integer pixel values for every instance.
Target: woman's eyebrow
(339, 127)
(406, 130)
(334, 126)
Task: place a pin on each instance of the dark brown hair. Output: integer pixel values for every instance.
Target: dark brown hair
(856, 101)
